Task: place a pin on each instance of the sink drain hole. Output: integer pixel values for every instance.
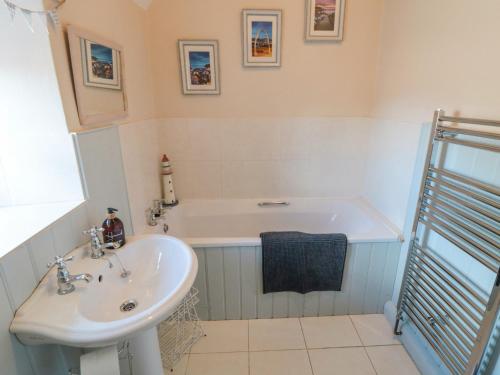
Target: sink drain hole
(128, 305)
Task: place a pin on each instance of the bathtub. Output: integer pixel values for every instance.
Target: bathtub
(225, 237)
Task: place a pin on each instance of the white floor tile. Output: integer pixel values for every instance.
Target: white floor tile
(341, 361)
(218, 364)
(391, 360)
(282, 362)
(329, 332)
(223, 336)
(180, 368)
(374, 329)
(275, 334)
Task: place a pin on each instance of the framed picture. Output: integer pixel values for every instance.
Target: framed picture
(261, 38)
(199, 61)
(102, 65)
(324, 19)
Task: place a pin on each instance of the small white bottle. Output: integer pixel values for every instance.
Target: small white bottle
(167, 182)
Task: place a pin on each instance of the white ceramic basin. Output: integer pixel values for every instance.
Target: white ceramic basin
(163, 269)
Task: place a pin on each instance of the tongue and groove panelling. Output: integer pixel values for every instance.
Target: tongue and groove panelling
(230, 284)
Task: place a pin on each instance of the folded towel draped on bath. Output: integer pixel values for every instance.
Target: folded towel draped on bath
(302, 262)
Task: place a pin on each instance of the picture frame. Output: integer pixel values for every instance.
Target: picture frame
(101, 65)
(261, 37)
(199, 61)
(324, 20)
(101, 96)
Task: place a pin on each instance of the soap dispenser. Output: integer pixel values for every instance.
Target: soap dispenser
(113, 229)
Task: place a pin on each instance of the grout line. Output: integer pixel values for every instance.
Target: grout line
(298, 349)
(364, 347)
(305, 344)
(248, 345)
(356, 330)
(369, 358)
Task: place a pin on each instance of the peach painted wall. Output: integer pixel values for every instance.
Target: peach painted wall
(438, 54)
(124, 22)
(316, 79)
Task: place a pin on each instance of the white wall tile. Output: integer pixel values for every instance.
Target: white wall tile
(205, 139)
(174, 138)
(18, 274)
(392, 151)
(294, 139)
(266, 157)
(250, 139)
(102, 164)
(244, 179)
(65, 238)
(42, 251)
(141, 161)
(13, 356)
(79, 222)
(294, 178)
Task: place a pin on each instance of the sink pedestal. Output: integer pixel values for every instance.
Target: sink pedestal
(145, 349)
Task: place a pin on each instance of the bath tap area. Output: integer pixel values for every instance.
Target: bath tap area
(305, 187)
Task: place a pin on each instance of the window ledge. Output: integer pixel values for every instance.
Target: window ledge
(19, 223)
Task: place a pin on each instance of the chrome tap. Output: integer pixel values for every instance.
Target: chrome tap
(64, 279)
(98, 249)
(155, 212)
(96, 245)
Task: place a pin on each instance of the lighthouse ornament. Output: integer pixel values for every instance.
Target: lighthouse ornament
(168, 184)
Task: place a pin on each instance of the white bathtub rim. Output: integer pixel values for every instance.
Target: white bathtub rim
(255, 241)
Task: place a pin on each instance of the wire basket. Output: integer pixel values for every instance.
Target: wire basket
(180, 331)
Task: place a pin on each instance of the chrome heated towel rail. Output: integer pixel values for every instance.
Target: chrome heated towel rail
(460, 213)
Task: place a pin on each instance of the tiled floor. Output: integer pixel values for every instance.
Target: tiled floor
(343, 345)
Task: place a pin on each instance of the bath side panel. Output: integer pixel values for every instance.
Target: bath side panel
(230, 284)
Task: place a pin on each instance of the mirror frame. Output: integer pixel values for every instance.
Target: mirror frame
(74, 36)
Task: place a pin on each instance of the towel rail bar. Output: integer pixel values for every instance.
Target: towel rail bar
(466, 322)
(461, 212)
(454, 349)
(450, 359)
(455, 316)
(463, 203)
(457, 290)
(486, 262)
(466, 120)
(465, 180)
(468, 193)
(443, 215)
(446, 269)
(483, 146)
(441, 292)
(470, 241)
(466, 340)
(465, 131)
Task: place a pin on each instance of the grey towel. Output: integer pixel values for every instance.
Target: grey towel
(302, 262)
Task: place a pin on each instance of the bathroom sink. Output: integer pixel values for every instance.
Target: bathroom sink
(110, 308)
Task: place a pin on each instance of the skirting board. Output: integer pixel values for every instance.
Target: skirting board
(416, 345)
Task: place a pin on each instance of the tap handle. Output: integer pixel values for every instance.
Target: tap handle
(59, 261)
(93, 231)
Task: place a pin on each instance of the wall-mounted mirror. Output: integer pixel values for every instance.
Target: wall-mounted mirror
(99, 82)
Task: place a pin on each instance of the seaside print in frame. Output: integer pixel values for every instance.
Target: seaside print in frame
(199, 61)
(261, 38)
(102, 65)
(324, 19)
